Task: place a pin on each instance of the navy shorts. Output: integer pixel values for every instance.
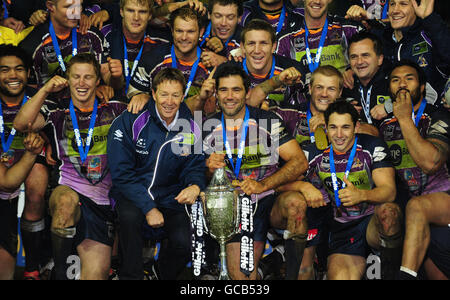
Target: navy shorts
(439, 248)
(318, 221)
(8, 225)
(261, 219)
(96, 222)
(349, 238)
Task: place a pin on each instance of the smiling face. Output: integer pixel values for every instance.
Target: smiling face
(316, 9)
(135, 17)
(341, 132)
(363, 60)
(168, 97)
(224, 20)
(258, 49)
(231, 96)
(401, 13)
(13, 76)
(324, 90)
(83, 82)
(186, 34)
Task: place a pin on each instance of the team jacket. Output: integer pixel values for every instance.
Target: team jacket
(147, 167)
(426, 42)
(379, 94)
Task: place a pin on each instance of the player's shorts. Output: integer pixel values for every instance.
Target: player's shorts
(8, 225)
(318, 224)
(439, 248)
(349, 238)
(96, 222)
(261, 219)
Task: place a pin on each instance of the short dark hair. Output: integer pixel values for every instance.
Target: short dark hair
(238, 3)
(341, 107)
(169, 74)
(230, 69)
(11, 50)
(409, 63)
(258, 24)
(377, 43)
(85, 58)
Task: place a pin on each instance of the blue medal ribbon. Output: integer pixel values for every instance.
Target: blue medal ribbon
(126, 66)
(83, 150)
(347, 171)
(7, 144)
(308, 117)
(385, 10)
(314, 64)
(241, 148)
(281, 20)
(193, 69)
(420, 111)
(206, 34)
(365, 101)
(56, 45)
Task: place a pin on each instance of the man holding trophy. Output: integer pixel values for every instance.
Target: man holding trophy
(247, 143)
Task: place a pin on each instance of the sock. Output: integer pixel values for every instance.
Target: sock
(391, 255)
(294, 248)
(62, 244)
(32, 235)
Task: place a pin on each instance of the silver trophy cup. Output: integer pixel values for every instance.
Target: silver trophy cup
(221, 214)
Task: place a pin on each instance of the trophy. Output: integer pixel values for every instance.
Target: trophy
(221, 214)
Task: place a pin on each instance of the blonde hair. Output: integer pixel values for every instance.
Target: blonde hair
(329, 71)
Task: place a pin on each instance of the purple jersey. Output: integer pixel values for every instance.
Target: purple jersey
(293, 45)
(17, 148)
(39, 46)
(266, 132)
(433, 124)
(296, 122)
(371, 153)
(91, 179)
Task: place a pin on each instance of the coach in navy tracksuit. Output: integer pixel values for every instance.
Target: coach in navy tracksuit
(155, 173)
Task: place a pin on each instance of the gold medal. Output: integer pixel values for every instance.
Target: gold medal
(235, 183)
(321, 138)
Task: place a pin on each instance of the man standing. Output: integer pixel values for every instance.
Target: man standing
(130, 38)
(155, 173)
(281, 14)
(184, 54)
(52, 44)
(261, 64)
(80, 207)
(371, 88)
(223, 33)
(15, 67)
(254, 166)
(321, 39)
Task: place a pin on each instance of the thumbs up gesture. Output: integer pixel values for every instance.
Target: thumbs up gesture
(351, 195)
